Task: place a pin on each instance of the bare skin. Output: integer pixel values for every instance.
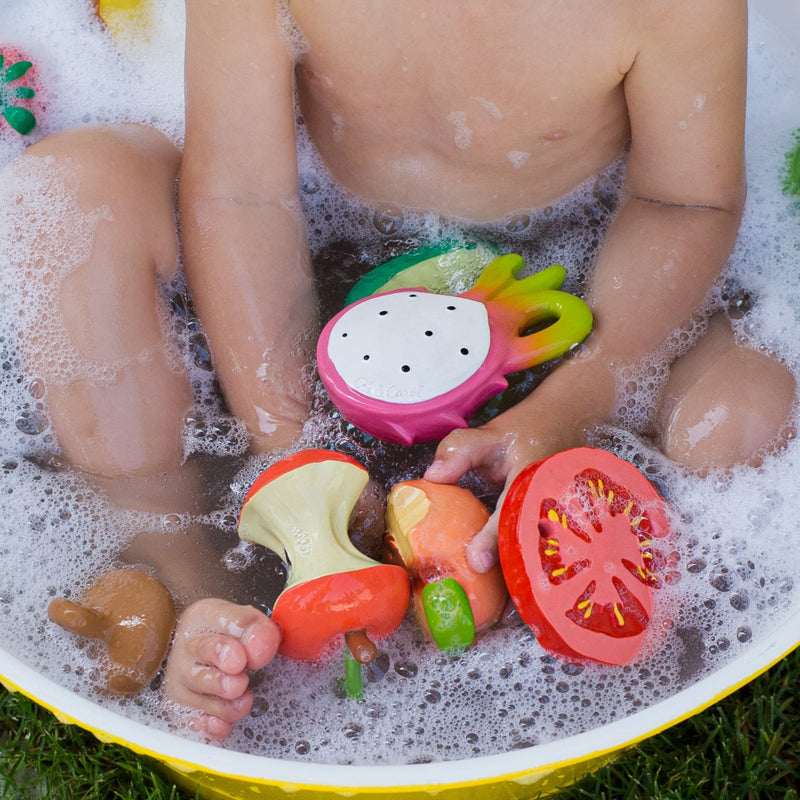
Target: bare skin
(472, 110)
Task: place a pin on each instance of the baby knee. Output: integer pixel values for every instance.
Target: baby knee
(129, 170)
(108, 160)
(107, 145)
(733, 412)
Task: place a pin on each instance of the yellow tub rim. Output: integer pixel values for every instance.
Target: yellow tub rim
(524, 766)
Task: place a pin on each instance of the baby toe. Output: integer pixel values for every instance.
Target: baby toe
(211, 682)
(228, 710)
(217, 718)
(224, 652)
(260, 642)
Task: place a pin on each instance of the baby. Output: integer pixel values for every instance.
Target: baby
(473, 110)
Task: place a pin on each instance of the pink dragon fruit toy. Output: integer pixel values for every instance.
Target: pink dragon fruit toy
(410, 366)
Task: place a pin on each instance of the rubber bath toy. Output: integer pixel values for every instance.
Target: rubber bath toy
(18, 87)
(579, 546)
(300, 508)
(439, 268)
(429, 526)
(411, 366)
(133, 613)
(123, 17)
(791, 181)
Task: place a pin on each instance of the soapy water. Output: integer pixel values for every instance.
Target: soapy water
(730, 573)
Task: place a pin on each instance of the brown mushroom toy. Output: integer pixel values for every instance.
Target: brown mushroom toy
(133, 613)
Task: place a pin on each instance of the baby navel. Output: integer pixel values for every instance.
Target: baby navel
(556, 135)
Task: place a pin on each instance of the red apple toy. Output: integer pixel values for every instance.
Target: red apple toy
(300, 508)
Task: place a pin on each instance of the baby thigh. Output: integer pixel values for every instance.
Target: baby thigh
(118, 407)
(724, 404)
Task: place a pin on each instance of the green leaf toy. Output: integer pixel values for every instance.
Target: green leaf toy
(16, 73)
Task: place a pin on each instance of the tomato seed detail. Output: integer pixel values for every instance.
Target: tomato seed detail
(596, 500)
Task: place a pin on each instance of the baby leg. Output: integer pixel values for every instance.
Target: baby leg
(118, 413)
(724, 404)
(118, 410)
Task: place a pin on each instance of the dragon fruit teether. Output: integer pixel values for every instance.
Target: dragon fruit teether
(411, 366)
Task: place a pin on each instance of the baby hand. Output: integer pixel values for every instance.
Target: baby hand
(492, 454)
(216, 643)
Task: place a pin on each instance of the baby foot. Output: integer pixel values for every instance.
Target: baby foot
(216, 644)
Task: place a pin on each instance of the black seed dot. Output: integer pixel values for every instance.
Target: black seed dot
(412, 295)
(366, 358)
(464, 351)
(429, 333)
(383, 313)
(405, 368)
(344, 336)
(451, 308)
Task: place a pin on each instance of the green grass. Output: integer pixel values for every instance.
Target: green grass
(42, 758)
(746, 747)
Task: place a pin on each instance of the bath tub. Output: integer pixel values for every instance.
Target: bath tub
(221, 773)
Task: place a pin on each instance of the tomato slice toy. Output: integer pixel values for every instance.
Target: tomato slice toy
(578, 538)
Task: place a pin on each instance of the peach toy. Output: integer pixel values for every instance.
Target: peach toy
(429, 527)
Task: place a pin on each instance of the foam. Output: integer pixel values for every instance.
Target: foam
(726, 589)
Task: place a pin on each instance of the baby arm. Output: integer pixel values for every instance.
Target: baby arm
(674, 231)
(247, 265)
(246, 255)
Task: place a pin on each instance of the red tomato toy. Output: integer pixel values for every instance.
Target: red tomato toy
(576, 539)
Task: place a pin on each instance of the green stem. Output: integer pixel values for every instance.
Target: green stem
(353, 683)
(449, 614)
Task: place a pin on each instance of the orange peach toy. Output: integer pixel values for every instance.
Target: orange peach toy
(429, 526)
(133, 613)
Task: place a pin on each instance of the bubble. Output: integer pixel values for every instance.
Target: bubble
(377, 669)
(695, 565)
(36, 388)
(744, 634)
(353, 730)
(236, 560)
(672, 577)
(740, 600)
(260, 707)
(32, 423)
(388, 220)
(173, 522)
(432, 696)
(721, 579)
(309, 184)
(406, 669)
(518, 223)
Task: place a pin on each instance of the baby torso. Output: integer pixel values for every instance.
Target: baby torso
(468, 108)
